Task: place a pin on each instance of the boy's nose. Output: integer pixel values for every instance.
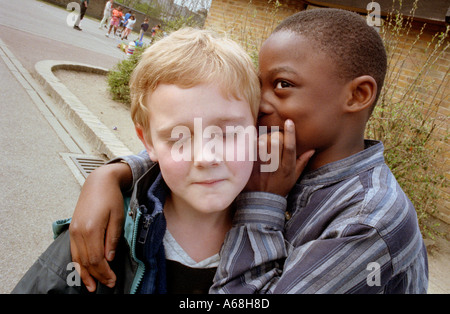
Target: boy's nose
(265, 111)
(265, 107)
(205, 157)
(205, 162)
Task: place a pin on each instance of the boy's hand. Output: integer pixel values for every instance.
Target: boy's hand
(289, 168)
(97, 224)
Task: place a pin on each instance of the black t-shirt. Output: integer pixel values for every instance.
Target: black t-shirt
(182, 279)
(144, 26)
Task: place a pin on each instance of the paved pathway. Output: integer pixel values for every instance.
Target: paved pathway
(36, 183)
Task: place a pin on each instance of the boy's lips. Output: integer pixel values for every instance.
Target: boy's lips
(209, 182)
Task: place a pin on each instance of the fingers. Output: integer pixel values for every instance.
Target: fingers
(289, 153)
(88, 250)
(97, 265)
(114, 230)
(278, 167)
(113, 234)
(111, 242)
(88, 281)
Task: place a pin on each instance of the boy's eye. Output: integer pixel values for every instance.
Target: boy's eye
(181, 139)
(282, 84)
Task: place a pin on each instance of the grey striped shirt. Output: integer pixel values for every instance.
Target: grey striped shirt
(352, 230)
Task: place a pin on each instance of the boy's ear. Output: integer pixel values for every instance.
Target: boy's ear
(364, 91)
(147, 143)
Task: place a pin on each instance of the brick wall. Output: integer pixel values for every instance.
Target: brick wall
(249, 22)
(432, 92)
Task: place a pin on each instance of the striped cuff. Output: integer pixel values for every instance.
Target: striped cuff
(139, 164)
(260, 208)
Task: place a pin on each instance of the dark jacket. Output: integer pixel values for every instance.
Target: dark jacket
(140, 260)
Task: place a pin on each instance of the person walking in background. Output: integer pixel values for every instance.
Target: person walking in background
(144, 28)
(83, 8)
(106, 13)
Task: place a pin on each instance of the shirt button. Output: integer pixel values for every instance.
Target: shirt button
(287, 215)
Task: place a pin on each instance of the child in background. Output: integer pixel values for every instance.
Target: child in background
(106, 13)
(128, 27)
(155, 31)
(115, 20)
(144, 28)
(123, 21)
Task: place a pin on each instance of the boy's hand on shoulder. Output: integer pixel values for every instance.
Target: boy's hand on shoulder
(97, 225)
(289, 167)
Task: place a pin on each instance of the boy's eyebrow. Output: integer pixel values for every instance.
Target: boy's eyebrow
(282, 69)
(166, 131)
(232, 120)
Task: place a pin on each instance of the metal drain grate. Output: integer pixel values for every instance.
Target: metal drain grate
(86, 164)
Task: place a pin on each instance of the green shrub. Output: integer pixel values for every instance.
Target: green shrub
(406, 118)
(119, 78)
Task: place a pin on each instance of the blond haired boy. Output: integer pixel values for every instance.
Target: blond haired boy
(179, 211)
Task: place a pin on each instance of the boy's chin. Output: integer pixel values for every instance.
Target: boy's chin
(212, 207)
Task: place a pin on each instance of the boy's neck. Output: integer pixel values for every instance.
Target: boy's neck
(339, 151)
(201, 235)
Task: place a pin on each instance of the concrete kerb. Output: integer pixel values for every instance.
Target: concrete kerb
(96, 133)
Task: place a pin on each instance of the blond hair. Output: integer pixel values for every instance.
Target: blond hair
(190, 57)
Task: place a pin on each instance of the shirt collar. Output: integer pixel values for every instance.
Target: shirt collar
(150, 190)
(347, 167)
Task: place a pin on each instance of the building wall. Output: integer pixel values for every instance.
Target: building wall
(432, 92)
(249, 22)
(95, 8)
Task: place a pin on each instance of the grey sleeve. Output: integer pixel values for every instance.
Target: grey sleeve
(53, 272)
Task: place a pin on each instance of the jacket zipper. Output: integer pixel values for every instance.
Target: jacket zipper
(141, 266)
(148, 219)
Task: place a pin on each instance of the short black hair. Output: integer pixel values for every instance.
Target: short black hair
(355, 47)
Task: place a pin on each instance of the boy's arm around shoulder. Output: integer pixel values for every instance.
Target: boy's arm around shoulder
(97, 222)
